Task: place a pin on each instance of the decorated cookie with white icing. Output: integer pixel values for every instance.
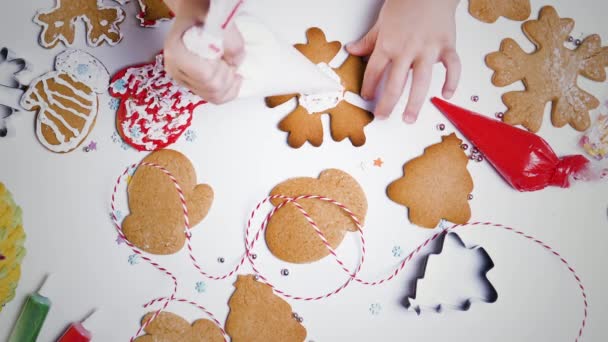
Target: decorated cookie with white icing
(154, 111)
(67, 100)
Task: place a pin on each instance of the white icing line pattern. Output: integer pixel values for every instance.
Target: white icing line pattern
(154, 110)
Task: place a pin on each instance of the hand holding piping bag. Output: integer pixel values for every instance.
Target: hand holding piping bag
(214, 78)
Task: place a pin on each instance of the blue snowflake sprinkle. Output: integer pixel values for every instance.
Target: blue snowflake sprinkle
(375, 309)
(119, 86)
(116, 138)
(190, 135)
(82, 69)
(135, 132)
(200, 287)
(397, 251)
(125, 146)
(114, 104)
(118, 215)
(133, 259)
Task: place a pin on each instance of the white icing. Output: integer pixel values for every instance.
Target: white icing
(120, 17)
(96, 75)
(32, 98)
(171, 103)
(321, 102)
(270, 67)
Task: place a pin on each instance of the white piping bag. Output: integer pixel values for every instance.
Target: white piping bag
(270, 67)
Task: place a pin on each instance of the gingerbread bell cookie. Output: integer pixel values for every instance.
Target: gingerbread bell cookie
(169, 327)
(490, 10)
(291, 238)
(435, 185)
(67, 100)
(156, 221)
(258, 315)
(549, 74)
(59, 24)
(347, 120)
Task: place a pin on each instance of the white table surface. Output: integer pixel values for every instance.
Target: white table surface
(241, 153)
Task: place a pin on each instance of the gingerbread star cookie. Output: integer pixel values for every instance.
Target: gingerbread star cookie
(435, 185)
(58, 24)
(347, 120)
(258, 315)
(156, 221)
(490, 10)
(291, 238)
(549, 74)
(169, 327)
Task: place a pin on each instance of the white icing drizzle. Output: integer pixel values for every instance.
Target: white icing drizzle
(48, 109)
(322, 102)
(170, 101)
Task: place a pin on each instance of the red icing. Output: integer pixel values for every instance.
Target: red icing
(158, 88)
(523, 159)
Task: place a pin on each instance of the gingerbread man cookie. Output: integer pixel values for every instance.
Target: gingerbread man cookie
(156, 220)
(258, 315)
(58, 24)
(291, 238)
(347, 120)
(549, 74)
(490, 10)
(169, 327)
(435, 185)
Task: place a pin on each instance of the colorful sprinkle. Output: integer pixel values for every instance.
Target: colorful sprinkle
(221, 260)
(135, 131)
(375, 309)
(378, 162)
(397, 251)
(441, 127)
(254, 256)
(285, 272)
(119, 240)
(480, 158)
(133, 259)
(464, 147)
(577, 42)
(2, 257)
(474, 98)
(470, 197)
(570, 39)
(200, 287)
(500, 115)
(114, 104)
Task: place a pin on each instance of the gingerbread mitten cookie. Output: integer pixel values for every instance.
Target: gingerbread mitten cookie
(156, 220)
(490, 10)
(291, 238)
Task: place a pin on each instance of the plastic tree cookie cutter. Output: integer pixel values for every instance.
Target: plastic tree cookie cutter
(453, 278)
(11, 86)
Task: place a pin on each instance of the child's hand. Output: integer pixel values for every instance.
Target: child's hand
(216, 81)
(409, 34)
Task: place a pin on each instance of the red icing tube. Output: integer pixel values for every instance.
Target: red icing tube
(523, 159)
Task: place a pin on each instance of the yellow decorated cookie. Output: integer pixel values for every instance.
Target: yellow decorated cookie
(12, 250)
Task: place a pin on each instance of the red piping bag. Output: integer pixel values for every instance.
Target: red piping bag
(523, 159)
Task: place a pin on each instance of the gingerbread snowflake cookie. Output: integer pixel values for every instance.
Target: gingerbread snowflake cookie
(169, 327)
(347, 120)
(291, 238)
(490, 10)
(59, 24)
(549, 74)
(435, 185)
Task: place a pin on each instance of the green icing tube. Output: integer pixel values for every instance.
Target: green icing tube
(32, 318)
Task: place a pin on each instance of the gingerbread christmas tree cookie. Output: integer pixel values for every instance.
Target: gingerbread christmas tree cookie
(490, 10)
(169, 327)
(347, 120)
(258, 315)
(549, 74)
(435, 185)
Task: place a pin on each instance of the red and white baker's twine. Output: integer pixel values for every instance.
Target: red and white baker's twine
(249, 246)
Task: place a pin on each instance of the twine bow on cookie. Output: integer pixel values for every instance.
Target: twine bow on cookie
(252, 237)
